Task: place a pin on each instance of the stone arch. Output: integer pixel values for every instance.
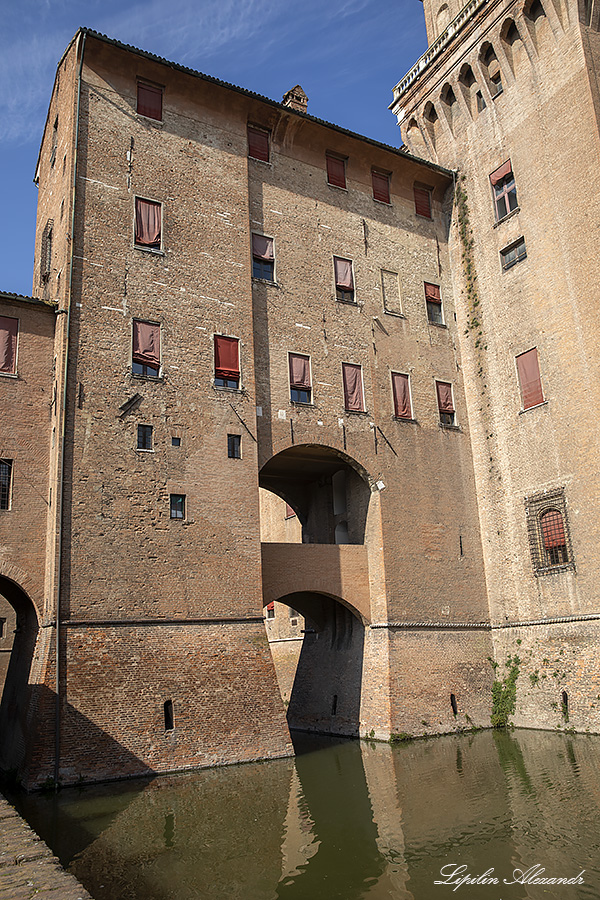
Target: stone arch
(442, 19)
(536, 21)
(302, 475)
(513, 45)
(415, 140)
(468, 87)
(15, 683)
(327, 682)
(431, 120)
(490, 68)
(449, 102)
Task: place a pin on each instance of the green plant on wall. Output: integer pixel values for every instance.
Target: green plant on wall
(504, 693)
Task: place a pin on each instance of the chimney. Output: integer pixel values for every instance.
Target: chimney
(296, 99)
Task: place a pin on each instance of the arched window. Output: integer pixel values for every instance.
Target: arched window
(553, 537)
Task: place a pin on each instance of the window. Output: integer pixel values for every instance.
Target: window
(175, 442)
(300, 381)
(433, 300)
(336, 170)
(46, 251)
(148, 228)
(505, 190)
(513, 254)
(144, 437)
(401, 391)
(529, 379)
(353, 387)
(5, 482)
(445, 403)
(496, 83)
(263, 257)
(270, 610)
(145, 356)
(548, 532)
(168, 711)
(177, 505)
(344, 279)
(9, 329)
(258, 143)
(381, 186)
(234, 446)
(390, 288)
(480, 101)
(54, 143)
(149, 101)
(227, 364)
(422, 201)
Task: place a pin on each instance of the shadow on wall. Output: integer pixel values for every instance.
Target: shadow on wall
(327, 686)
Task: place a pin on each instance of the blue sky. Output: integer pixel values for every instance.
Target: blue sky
(346, 54)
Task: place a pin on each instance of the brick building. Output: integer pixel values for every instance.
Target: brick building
(258, 379)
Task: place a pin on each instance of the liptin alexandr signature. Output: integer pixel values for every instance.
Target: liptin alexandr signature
(456, 876)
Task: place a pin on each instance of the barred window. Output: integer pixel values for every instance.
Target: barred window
(5, 482)
(548, 532)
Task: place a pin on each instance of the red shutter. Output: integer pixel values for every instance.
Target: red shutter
(553, 529)
(258, 144)
(401, 396)
(353, 389)
(146, 343)
(343, 273)
(432, 293)
(529, 377)
(299, 371)
(262, 247)
(147, 223)
(336, 171)
(9, 328)
(444, 397)
(422, 202)
(270, 606)
(227, 359)
(149, 101)
(381, 187)
(501, 173)
(289, 511)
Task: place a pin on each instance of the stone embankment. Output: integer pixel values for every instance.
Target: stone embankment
(27, 867)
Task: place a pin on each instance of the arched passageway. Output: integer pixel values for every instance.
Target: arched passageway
(320, 676)
(20, 630)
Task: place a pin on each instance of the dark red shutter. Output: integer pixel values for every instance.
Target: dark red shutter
(149, 101)
(501, 173)
(299, 371)
(381, 187)
(432, 293)
(401, 396)
(529, 377)
(9, 328)
(553, 529)
(227, 359)
(422, 202)
(336, 171)
(258, 144)
(147, 223)
(146, 343)
(353, 390)
(444, 397)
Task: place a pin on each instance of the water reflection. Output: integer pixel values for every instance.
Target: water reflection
(343, 820)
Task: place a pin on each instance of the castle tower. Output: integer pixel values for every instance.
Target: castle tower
(506, 96)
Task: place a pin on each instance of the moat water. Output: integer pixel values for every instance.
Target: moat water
(345, 819)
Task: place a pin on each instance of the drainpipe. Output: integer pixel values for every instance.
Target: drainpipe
(61, 474)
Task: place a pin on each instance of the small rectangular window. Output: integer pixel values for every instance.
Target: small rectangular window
(480, 101)
(148, 224)
(300, 380)
(234, 446)
(504, 190)
(422, 201)
(496, 84)
(353, 387)
(401, 391)
(263, 257)
(381, 186)
(9, 330)
(390, 288)
(177, 505)
(145, 356)
(6, 466)
(169, 718)
(344, 279)
(227, 362)
(513, 254)
(445, 403)
(336, 170)
(258, 143)
(528, 369)
(144, 437)
(433, 300)
(270, 610)
(46, 251)
(149, 101)
(175, 442)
